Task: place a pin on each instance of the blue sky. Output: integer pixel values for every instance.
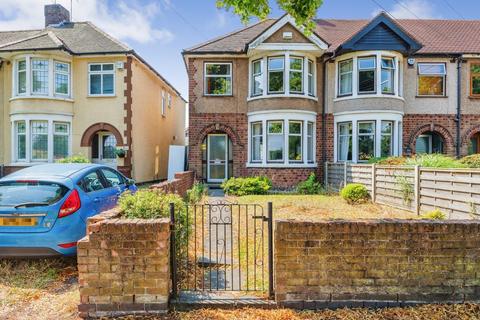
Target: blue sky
(159, 29)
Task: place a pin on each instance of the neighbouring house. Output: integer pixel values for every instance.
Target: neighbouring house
(71, 89)
(272, 100)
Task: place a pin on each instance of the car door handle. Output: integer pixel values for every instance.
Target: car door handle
(97, 200)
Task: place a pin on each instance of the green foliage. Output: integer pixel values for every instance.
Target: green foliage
(390, 161)
(472, 161)
(310, 186)
(246, 186)
(303, 11)
(355, 193)
(436, 214)
(79, 158)
(435, 160)
(406, 188)
(196, 193)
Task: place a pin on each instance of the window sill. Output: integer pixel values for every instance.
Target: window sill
(217, 95)
(41, 98)
(435, 97)
(282, 165)
(368, 96)
(101, 96)
(282, 95)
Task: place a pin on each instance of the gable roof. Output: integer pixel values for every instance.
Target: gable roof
(435, 36)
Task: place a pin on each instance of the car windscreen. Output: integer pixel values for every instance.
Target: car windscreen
(30, 193)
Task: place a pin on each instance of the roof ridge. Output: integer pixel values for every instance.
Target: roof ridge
(227, 35)
(121, 44)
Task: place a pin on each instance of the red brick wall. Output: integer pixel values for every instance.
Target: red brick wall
(123, 266)
(375, 263)
(180, 184)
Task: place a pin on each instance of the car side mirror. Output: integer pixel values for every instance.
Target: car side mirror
(130, 182)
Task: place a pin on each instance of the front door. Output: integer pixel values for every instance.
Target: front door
(217, 157)
(103, 149)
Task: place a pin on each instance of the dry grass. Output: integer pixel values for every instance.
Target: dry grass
(321, 207)
(38, 289)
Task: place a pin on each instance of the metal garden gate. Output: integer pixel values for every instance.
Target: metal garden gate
(222, 247)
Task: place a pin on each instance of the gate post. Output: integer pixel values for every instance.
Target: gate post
(271, 292)
(173, 260)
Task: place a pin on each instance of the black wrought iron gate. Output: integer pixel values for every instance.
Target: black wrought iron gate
(222, 246)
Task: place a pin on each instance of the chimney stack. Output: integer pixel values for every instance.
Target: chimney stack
(56, 14)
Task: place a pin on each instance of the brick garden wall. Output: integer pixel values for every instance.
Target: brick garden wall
(180, 184)
(123, 266)
(376, 263)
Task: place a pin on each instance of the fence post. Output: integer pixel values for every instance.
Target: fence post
(374, 179)
(173, 260)
(417, 189)
(271, 289)
(345, 173)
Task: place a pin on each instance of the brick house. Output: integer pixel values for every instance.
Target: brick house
(272, 100)
(70, 88)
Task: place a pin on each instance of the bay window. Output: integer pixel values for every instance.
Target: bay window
(431, 79)
(276, 69)
(257, 74)
(387, 139)
(39, 76)
(101, 79)
(21, 77)
(218, 79)
(345, 141)
(388, 75)
(62, 78)
(366, 75)
(296, 75)
(289, 139)
(40, 140)
(275, 141)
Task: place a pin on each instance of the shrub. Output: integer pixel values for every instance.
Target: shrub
(435, 160)
(355, 193)
(390, 161)
(246, 186)
(74, 159)
(472, 161)
(434, 215)
(310, 186)
(196, 193)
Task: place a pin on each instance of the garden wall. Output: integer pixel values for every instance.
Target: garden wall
(454, 191)
(376, 263)
(123, 266)
(180, 184)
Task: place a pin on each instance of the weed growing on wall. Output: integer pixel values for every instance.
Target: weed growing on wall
(406, 188)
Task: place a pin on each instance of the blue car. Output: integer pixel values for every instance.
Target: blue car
(44, 208)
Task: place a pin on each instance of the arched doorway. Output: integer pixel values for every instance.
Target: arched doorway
(103, 140)
(217, 157)
(474, 144)
(429, 142)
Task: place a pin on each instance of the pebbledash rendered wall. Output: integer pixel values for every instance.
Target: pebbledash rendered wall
(332, 264)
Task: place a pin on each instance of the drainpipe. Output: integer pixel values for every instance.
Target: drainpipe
(324, 120)
(458, 118)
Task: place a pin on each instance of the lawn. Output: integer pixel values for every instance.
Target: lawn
(321, 207)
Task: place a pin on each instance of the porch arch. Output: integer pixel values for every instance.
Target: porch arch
(467, 136)
(440, 130)
(88, 135)
(220, 128)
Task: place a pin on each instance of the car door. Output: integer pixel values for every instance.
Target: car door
(116, 184)
(94, 186)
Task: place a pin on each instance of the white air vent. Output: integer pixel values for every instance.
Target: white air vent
(287, 35)
(120, 65)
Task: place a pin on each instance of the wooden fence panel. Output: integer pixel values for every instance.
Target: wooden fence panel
(335, 176)
(395, 186)
(360, 173)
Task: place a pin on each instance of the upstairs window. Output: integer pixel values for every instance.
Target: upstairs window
(40, 76)
(296, 75)
(163, 103)
(431, 79)
(218, 79)
(62, 78)
(276, 70)
(345, 77)
(21, 77)
(311, 78)
(366, 75)
(101, 79)
(475, 80)
(169, 101)
(257, 75)
(388, 75)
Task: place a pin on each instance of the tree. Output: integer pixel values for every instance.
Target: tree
(303, 11)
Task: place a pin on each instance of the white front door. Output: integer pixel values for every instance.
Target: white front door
(104, 144)
(217, 157)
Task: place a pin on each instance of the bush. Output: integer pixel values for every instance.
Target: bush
(434, 215)
(390, 161)
(355, 193)
(435, 160)
(196, 193)
(472, 161)
(246, 186)
(310, 186)
(75, 159)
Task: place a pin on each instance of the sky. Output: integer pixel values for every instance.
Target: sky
(159, 30)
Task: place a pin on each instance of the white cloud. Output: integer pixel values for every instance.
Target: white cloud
(413, 9)
(125, 20)
(221, 19)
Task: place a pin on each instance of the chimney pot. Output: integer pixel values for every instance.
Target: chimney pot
(55, 14)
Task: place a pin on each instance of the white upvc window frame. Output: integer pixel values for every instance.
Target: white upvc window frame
(64, 134)
(339, 77)
(48, 79)
(227, 75)
(169, 100)
(256, 136)
(257, 74)
(301, 71)
(301, 135)
(277, 134)
(28, 119)
(391, 135)
(67, 74)
(349, 135)
(101, 73)
(51, 94)
(310, 136)
(392, 70)
(375, 74)
(16, 140)
(443, 75)
(285, 116)
(283, 69)
(374, 135)
(379, 54)
(162, 106)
